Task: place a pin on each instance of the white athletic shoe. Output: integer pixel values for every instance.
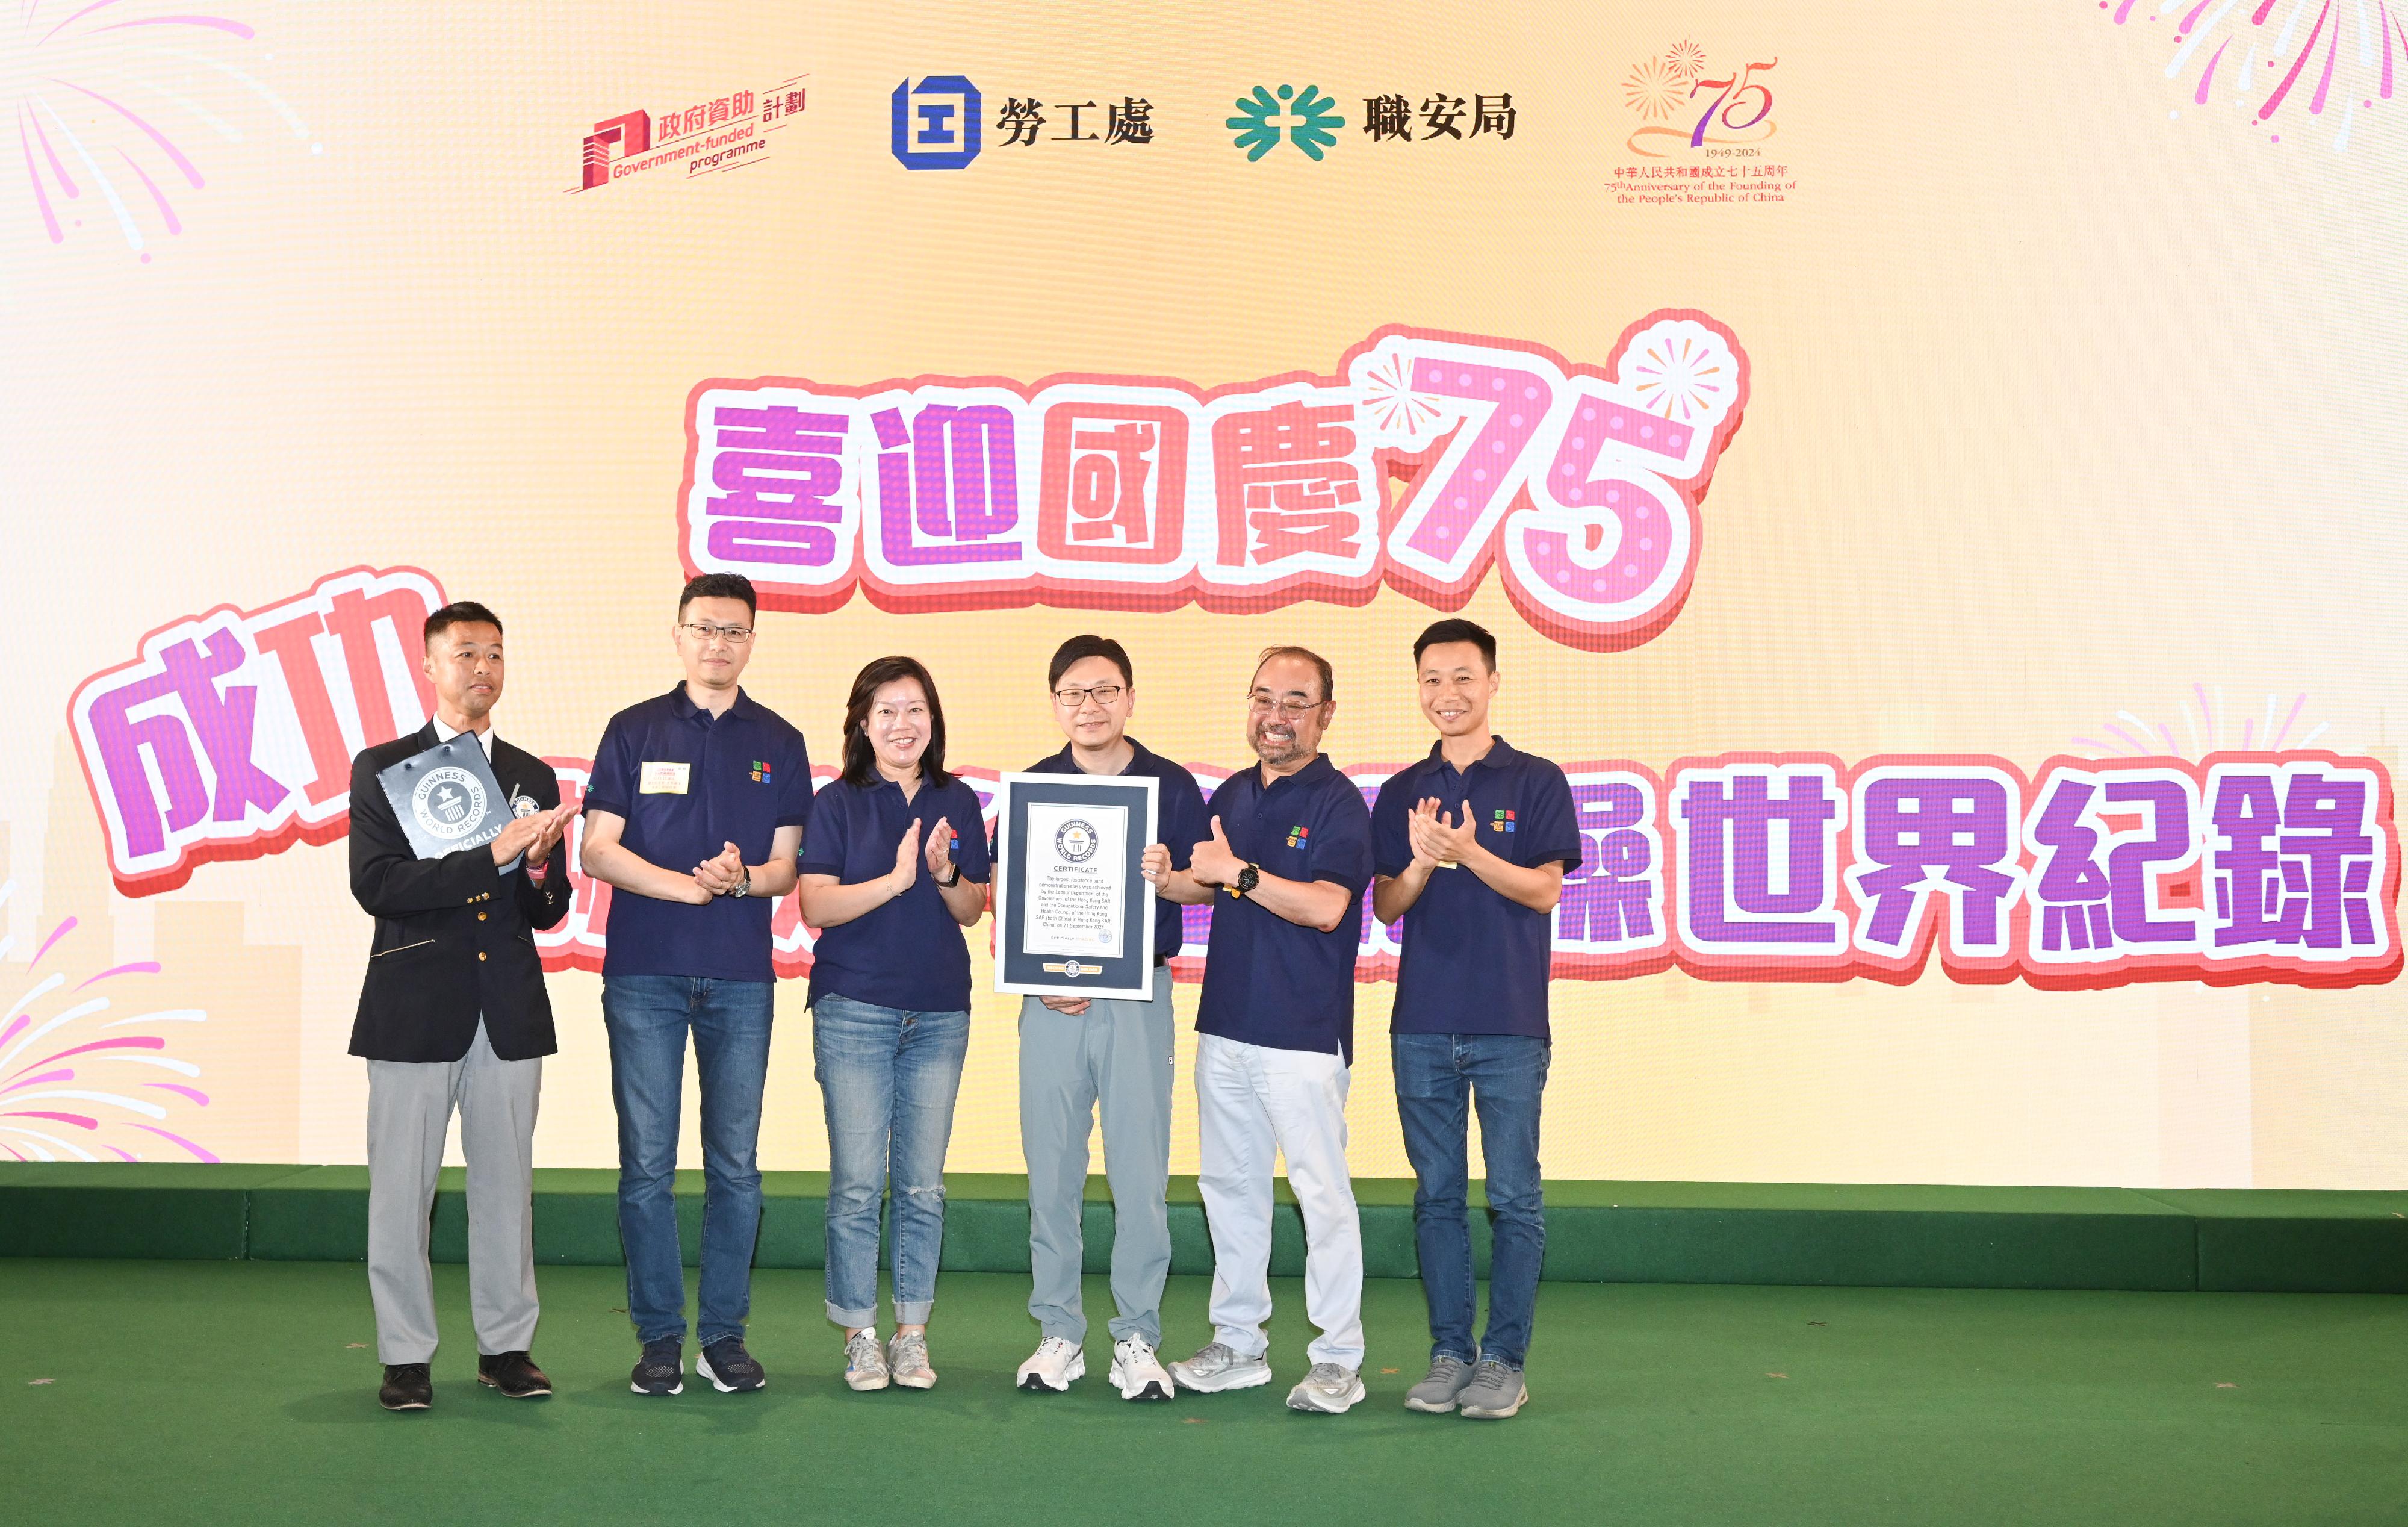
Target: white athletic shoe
(1055, 1365)
(1330, 1388)
(865, 1361)
(907, 1355)
(1217, 1366)
(1138, 1371)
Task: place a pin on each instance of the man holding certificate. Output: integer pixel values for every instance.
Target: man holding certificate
(452, 833)
(1078, 1051)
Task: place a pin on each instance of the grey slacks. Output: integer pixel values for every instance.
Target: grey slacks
(1118, 1052)
(410, 1111)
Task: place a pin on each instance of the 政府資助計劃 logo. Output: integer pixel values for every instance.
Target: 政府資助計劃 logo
(726, 132)
(934, 122)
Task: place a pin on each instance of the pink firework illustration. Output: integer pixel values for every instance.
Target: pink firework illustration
(1681, 371)
(2273, 56)
(1389, 392)
(1685, 59)
(105, 96)
(72, 1082)
(2208, 725)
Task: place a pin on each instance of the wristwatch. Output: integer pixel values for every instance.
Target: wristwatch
(1248, 878)
(956, 881)
(743, 886)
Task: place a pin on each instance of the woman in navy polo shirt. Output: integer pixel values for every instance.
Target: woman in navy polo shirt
(893, 867)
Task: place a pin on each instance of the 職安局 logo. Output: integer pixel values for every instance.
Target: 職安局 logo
(1306, 118)
(934, 122)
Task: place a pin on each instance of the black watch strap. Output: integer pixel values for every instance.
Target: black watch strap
(1248, 878)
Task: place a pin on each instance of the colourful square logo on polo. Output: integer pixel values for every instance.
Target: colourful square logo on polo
(1501, 822)
(760, 773)
(1295, 836)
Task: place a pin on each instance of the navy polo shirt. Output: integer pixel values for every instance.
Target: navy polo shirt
(1269, 981)
(1474, 961)
(1179, 824)
(745, 776)
(908, 953)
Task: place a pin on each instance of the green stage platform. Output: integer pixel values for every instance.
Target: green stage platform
(1805, 1234)
(245, 1392)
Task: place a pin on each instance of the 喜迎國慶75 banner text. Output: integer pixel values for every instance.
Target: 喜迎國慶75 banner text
(1423, 460)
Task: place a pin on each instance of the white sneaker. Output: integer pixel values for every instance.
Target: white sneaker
(1217, 1366)
(907, 1355)
(1055, 1365)
(1330, 1388)
(1138, 1373)
(865, 1361)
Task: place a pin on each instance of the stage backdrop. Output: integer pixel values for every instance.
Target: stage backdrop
(1933, 473)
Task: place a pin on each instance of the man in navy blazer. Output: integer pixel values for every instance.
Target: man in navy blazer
(453, 1014)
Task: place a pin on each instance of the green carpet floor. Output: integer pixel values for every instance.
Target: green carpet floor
(175, 1392)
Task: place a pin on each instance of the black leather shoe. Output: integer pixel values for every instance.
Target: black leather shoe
(514, 1374)
(406, 1387)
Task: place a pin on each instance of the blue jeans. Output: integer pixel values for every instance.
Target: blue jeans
(647, 1019)
(887, 1079)
(1504, 1076)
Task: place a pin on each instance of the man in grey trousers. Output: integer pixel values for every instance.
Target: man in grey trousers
(453, 1014)
(1078, 1052)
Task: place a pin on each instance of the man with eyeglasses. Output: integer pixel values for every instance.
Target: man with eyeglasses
(1284, 869)
(1076, 1052)
(694, 815)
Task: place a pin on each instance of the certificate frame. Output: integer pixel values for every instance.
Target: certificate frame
(1128, 976)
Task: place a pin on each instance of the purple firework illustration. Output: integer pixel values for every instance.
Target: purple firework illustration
(76, 1085)
(2213, 727)
(107, 97)
(2273, 56)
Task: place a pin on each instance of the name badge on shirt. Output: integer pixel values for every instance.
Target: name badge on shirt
(663, 779)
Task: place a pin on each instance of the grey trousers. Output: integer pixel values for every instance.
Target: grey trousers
(1120, 1052)
(410, 1111)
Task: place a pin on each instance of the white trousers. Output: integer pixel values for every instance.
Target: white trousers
(1251, 1103)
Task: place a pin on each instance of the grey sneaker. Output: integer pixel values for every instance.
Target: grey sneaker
(1495, 1392)
(1217, 1366)
(1330, 1388)
(865, 1361)
(907, 1355)
(1438, 1393)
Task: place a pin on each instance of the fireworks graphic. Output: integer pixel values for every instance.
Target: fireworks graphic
(99, 91)
(2208, 728)
(1653, 89)
(1685, 59)
(1682, 371)
(65, 1095)
(2270, 56)
(1396, 409)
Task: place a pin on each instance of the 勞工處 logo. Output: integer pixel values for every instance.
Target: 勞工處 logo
(935, 123)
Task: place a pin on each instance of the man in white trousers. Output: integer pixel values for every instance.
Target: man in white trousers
(1284, 869)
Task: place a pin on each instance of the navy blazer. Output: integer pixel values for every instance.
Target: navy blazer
(454, 936)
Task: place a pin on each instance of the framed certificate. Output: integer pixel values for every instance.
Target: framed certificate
(1073, 910)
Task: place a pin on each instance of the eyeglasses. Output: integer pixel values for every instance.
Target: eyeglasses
(1076, 700)
(1290, 709)
(735, 635)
